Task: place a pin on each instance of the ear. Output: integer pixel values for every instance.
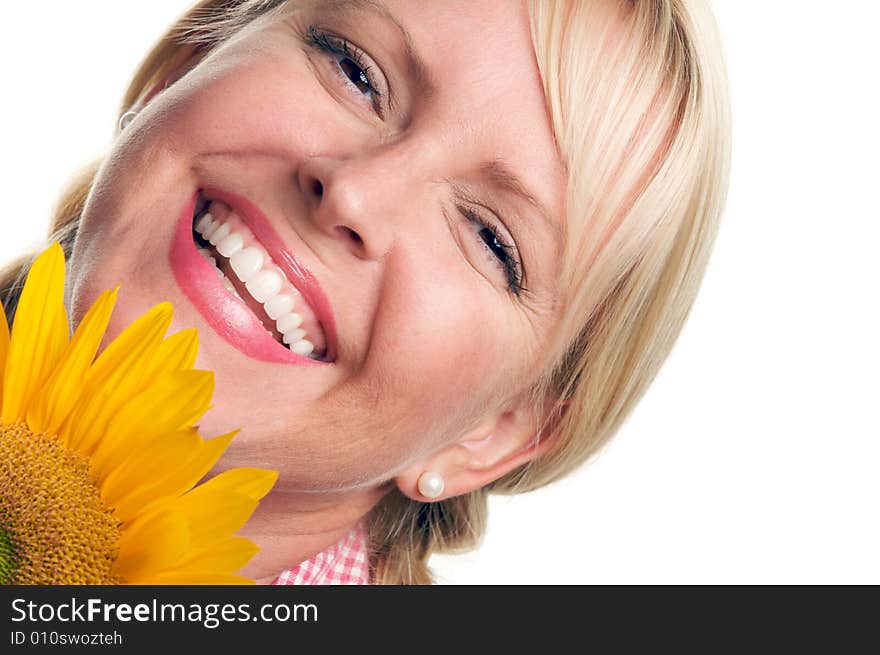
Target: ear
(500, 444)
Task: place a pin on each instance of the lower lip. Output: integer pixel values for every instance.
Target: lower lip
(230, 318)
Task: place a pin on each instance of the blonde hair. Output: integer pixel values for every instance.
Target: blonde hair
(637, 94)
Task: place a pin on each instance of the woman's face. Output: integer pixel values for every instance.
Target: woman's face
(372, 137)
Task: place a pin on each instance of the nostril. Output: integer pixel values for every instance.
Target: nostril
(318, 188)
(351, 234)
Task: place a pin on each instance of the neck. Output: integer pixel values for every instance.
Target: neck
(289, 528)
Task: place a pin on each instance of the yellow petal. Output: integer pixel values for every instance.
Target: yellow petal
(214, 518)
(174, 401)
(39, 333)
(221, 506)
(57, 396)
(177, 353)
(4, 346)
(152, 544)
(124, 350)
(252, 482)
(194, 578)
(131, 502)
(228, 556)
(144, 467)
(114, 378)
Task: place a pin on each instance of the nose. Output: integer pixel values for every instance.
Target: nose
(352, 201)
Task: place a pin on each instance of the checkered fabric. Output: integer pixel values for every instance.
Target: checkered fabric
(345, 562)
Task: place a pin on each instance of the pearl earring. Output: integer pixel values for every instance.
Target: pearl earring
(431, 484)
(126, 118)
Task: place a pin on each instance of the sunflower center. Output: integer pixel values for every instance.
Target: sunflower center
(54, 529)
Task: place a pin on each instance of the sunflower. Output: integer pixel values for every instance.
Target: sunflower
(100, 458)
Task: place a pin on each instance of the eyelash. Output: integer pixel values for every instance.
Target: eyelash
(339, 46)
(509, 262)
(506, 256)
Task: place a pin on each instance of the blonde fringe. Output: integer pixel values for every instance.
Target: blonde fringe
(634, 261)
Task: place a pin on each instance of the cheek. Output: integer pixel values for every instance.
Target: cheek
(257, 100)
(250, 101)
(439, 352)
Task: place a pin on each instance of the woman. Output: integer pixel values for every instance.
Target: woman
(433, 250)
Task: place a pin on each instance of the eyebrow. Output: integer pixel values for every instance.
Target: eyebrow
(415, 64)
(499, 174)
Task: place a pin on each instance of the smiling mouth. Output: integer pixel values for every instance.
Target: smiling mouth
(249, 274)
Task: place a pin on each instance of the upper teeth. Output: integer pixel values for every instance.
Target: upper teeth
(262, 279)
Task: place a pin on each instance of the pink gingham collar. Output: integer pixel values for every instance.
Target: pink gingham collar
(345, 562)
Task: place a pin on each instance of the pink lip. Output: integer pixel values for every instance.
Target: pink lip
(230, 318)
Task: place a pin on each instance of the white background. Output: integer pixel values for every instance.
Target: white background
(754, 457)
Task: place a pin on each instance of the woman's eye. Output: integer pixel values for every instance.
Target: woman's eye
(356, 74)
(504, 255)
(352, 65)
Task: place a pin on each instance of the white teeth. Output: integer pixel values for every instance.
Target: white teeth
(293, 335)
(230, 245)
(264, 285)
(246, 263)
(219, 234)
(303, 347)
(204, 222)
(278, 306)
(211, 227)
(206, 254)
(289, 321)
